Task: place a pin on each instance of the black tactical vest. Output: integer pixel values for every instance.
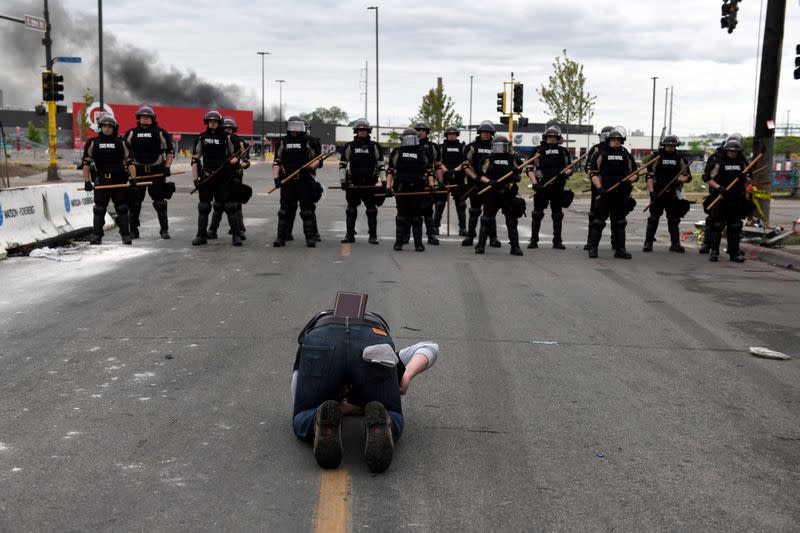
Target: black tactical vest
(499, 166)
(410, 168)
(482, 150)
(295, 152)
(214, 146)
(551, 161)
(729, 170)
(108, 153)
(666, 168)
(615, 165)
(363, 162)
(452, 153)
(145, 145)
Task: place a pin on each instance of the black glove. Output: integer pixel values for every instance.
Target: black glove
(198, 181)
(278, 183)
(492, 183)
(167, 172)
(601, 191)
(345, 185)
(389, 192)
(538, 186)
(132, 182)
(432, 189)
(722, 192)
(89, 185)
(653, 196)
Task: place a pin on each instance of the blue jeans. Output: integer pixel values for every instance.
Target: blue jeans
(330, 358)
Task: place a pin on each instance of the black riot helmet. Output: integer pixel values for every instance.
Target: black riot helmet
(212, 115)
(733, 144)
(409, 137)
(295, 124)
(362, 124)
(670, 140)
(553, 131)
(623, 132)
(615, 134)
(421, 125)
(451, 130)
(604, 133)
(500, 145)
(486, 125)
(735, 137)
(107, 120)
(230, 123)
(145, 111)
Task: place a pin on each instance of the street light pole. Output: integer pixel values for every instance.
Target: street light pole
(263, 125)
(377, 80)
(100, 48)
(469, 125)
(280, 104)
(653, 119)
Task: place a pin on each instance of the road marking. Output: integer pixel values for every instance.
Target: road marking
(332, 504)
(346, 248)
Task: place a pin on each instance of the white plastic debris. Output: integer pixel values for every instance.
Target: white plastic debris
(759, 351)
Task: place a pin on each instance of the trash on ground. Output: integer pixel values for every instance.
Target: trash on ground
(758, 351)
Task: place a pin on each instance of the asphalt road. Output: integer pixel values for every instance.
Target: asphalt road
(146, 388)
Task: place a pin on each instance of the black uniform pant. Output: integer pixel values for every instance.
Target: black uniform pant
(552, 196)
(409, 217)
(725, 216)
(461, 207)
(219, 208)
(120, 198)
(219, 189)
(658, 207)
(297, 193)
(475, 205)
(356, 197)
(157, 196)
(492, 203)
(614, 206)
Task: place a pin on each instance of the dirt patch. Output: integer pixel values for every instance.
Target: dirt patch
(23, 169)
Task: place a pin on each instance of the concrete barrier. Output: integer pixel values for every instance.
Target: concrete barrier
(30, 216)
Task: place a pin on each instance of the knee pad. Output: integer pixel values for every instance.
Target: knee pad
(461, 205)
(537, 215)
(283, 214)
(204, 208)
(159, 205)
(598, 223)
(653, 220)
(474, 211)
(306, 214)
(619, 224)
(735, 226)
(122, 209)
(416, 221)
(218, 206)
(558, 216)
(486, 220)
(717, 225)
(372, 211)
(352, 212)
(231, 208)
(99, 210)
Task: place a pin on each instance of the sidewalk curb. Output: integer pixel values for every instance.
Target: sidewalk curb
(772, 256)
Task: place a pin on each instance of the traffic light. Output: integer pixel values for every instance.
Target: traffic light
(58, 88)
(729, 10)
(518, 98)
(501, 102)
(47, 83)
(797, 64)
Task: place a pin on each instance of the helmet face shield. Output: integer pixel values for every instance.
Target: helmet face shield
(296, 126)
(500, 145)
(409, 140)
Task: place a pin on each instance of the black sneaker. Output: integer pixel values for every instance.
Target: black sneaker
(586, 247)
(559, 246)
(648, 246)
(703, 249)
(533, 245)
(349, 238)
(311, 243)
(419, 247)
(593, 253)
(95, 239)
(126, 239)
(165, 234)
(211, 234)
(236, 240)
(277, 243)
(241, 236)
(737, 258)
(468, 241)
(199, 241)
(398, 246)
(677, 248)
(378, 441)
(516, 250)
(433, 240)
(374, 240)
(622, 253)
(480, 249)
(328, 435)
(495, 243)
(713, 256)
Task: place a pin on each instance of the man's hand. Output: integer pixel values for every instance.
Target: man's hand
(88, 185)
(167, 172)
(278, 183)
(653, 196)
(601, 191)
(683, 179)
(388, 191)
(132, 182)
(234, 160)
(568, 172)
(538, 186)
(722, 191)
(405, 381)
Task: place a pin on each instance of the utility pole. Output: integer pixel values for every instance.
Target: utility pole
(653, 118)
(764, 138)
(377, 81)
(365, 94)
(671, 96)
(263, 118)
(280, 104)
(52, 167)
(469, 124)
(666, 105)
(100, 49)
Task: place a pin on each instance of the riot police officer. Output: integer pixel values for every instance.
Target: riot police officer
(553, 159)
(151, 147)
(586, 167)
(609, 166)
(726, 170)
(502, 195)
(430, 203)
(230, 127)
(453, 155)
(409, 171)
(360, 166)
(477, 151)
(704, 249)
(109, 156)
(663, 189)
(294, 151)
(212, 157)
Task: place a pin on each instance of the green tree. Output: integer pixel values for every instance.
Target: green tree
(394, 139)
(564, 94)
(699, 147)
(329, 115)
(34, 135)
(437, 110)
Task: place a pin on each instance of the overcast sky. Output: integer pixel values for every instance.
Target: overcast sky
(319, 48)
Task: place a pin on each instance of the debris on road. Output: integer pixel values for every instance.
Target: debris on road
(767, 353)
(545, 343)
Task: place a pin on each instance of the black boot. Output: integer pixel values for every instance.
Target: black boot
(536, 225)
(618, 233)
(216, 218)
(123, 222)
(309, 229)
(474, 213)
(416, 228)
(283, 229)
(513, 236)
(437, 218)
(595, 232)
(431, 230)
(98, 221)
(480, 248)
(350, 223)
(163, 222)
(650, 233)
(558, 223)
(673, 225)
(233, 222)
(734, 238)
(203, 210)
(401, 228)
(372, 224)
(494, 242)
(133, 220)
(461, 212)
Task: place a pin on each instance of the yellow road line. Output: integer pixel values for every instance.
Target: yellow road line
(346, 247)
(332, 504)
